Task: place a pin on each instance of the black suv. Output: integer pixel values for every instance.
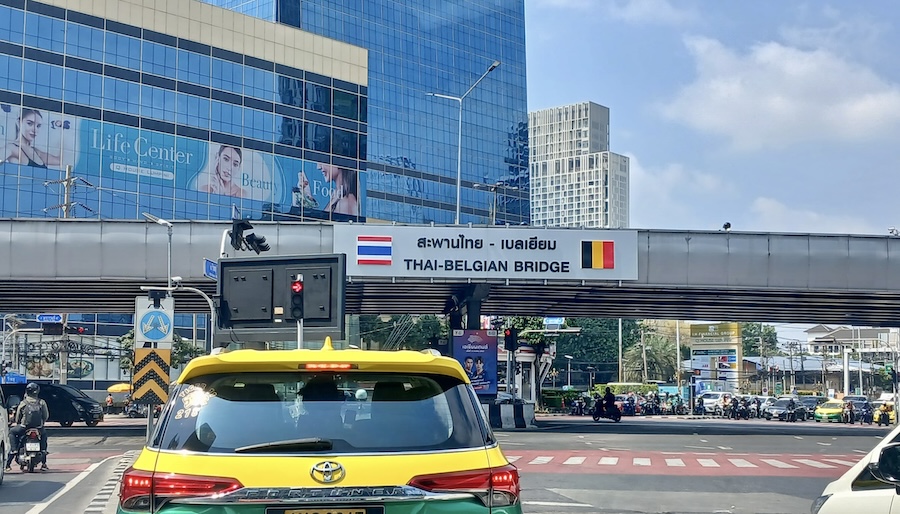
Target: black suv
(65, 403)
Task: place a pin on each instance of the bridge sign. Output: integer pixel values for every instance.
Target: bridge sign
(49, 318)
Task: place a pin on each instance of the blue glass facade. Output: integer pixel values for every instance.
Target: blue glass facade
(154, 123)
(425, 46)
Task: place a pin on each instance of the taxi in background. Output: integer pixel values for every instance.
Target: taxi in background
(892, 414)
(285, 431)
(831, 410)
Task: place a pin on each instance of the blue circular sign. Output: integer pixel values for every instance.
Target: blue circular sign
(156, 325)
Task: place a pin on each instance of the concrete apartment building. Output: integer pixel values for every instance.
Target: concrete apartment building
(576, 181)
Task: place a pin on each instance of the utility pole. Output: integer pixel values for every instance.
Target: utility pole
(644, 356)
(621, 370)
(68, 184)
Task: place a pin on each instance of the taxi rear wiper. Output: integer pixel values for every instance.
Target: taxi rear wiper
(309, 443)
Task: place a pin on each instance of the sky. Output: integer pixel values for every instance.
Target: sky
(777, 116)
(774, 116)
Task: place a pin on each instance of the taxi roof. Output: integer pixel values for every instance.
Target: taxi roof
(400, 361)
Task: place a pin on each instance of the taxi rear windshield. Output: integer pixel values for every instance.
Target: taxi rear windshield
(303, 412)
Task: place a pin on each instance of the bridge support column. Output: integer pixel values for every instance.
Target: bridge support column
(464, 310)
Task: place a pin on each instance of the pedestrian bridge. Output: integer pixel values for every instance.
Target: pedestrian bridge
(83, 266)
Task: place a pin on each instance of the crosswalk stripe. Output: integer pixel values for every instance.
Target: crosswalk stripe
(575, 460)
(842, 462)
(541, 460)
(675, 463)
(608, 461)
(512, 459)
(640, 461)
(778, 464)
(813, 463)
(742, 463)
(708, 463)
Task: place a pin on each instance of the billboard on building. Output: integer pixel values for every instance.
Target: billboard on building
(121, 160)
(716, 355)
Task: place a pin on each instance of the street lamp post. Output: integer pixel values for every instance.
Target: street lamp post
(495, 188)
(460, 99)
(168, 226)
(568, 370)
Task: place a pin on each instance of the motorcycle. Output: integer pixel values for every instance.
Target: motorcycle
(30, 453)
(884, 417)
(847, 416)
(628, 407)
(598, 413)
(743, 412)
(790, 415)
(577, 408)
(867, 416)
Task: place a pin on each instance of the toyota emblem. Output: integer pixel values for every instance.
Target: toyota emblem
(327, 472)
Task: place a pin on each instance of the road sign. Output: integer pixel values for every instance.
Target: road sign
(49, 318)
(151, 375)
(151, 324)
(210, 269)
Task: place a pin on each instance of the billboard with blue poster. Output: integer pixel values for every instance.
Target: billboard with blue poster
(476, 351)
(122, 166)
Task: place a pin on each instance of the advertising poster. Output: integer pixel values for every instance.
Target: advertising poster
(35, 138)
(476, 351)
(117, 159)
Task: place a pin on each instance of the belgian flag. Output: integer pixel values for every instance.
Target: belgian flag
(598, 254)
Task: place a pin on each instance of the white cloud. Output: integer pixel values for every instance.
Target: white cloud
(846, 36)
(774, 96)
(673, 197)
(658, 12)
(771, 215)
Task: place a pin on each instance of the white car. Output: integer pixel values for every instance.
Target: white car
(858, 490)
(712, 401)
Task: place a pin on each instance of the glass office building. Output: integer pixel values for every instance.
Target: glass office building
(418, 47)
(161, 122)
(113, 108)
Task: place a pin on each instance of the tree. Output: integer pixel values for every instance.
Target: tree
(750, 337)
(661, 362)
(598, 340)
(377, 331)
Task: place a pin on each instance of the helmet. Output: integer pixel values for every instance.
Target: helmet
(32, 389)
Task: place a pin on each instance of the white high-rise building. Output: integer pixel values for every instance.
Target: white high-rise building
(575, 180)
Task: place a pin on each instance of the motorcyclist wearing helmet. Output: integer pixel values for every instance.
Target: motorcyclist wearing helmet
(16, 433)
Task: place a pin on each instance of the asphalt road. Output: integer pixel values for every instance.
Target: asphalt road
(567, 465)
(670, 465)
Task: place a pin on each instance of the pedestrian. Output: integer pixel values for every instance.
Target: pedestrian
(109, 403)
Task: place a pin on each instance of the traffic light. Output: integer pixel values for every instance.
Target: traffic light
(257, 243)
(237, 233)
(510, 339)
(52, 329)
(74, 330)
(297, 296)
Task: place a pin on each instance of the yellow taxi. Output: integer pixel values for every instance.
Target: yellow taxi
(322, 431)
(831, 410)
(892, 414)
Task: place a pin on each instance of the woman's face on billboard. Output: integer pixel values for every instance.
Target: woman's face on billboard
(29, 126)
(229, 163)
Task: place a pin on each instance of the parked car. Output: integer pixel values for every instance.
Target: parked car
(65, 403)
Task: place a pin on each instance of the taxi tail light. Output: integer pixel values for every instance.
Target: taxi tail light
(497, 487)
(138, 487)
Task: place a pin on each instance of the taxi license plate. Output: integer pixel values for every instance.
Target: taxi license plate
(327, 510)
(32, 447)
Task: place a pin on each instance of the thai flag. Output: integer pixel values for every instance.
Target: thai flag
(373, 250)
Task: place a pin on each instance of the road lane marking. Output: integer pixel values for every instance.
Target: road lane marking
(41, 507)
(797, 437)
(842, 462)
(742, 463)
(556, 504)
(574, 461)
(864, 451)
(675, 463)
(700, 447)
(814, 464)
(708, 463)
(608, 461)
(541, 460)
(512, 458)
(640, 461)
(724, 447)
(824, 444)
(778, 464)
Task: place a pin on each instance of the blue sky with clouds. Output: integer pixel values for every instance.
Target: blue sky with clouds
(774, 116)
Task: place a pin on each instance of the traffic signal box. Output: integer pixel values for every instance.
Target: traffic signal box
(510, 339)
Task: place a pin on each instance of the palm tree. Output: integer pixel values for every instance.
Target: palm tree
(661, 360)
